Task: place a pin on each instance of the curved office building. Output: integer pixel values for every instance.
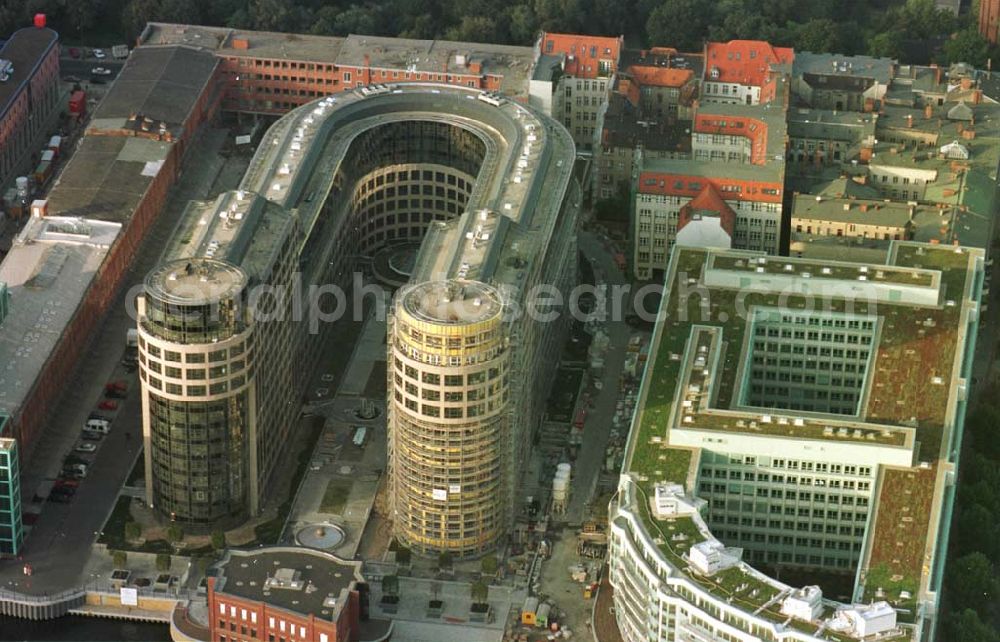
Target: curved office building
(449, 384)
(196, 360)
(358, 175)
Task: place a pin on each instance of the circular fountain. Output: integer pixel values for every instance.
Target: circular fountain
(322, 536)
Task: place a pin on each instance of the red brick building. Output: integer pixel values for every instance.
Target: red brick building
(29, 95)
(285, 594)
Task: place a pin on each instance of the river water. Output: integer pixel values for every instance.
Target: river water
(74, 628)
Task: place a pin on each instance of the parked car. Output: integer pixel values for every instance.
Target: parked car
(91, 435)
(108, 404)
(101, 71)
(98, 425)
(74, 52)
(99, 54)
(59, 498)
(70, 483)
(63, 490)
(86, 448)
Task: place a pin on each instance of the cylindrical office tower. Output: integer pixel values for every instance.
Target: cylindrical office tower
(196, 368)
(448, 415)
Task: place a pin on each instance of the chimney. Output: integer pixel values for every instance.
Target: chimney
(966, 83)
(40, 208)
(241, 43)
(864, 207)
(977, 96)
(913, 211)
(909, 120)
(928, 111)
(937, 74)
(368, 61)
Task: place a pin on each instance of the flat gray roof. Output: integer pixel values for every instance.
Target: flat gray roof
(47, 271)
(107, 176)
(162, 83)
(806, 62)
(512, 62)
(771, 173)
(318, 586)
(261, 44)
(440, 56)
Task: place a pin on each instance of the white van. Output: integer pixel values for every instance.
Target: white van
(102, 426)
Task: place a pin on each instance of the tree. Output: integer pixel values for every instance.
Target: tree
(887, 44)
(923, 19)
(973, 583)
(968, 627)
(489, 565)
(818, 36)
(444, 560)
(522, 24)
(82, 15)
(182, 11)
(976, 529)
(119, 559)
(136, 14)
(403, 556)
(473, 29)
(132, 530)
(679, 23)
(967, 46)
(480, 592)
(175, 534)
(218, 540)
(163, 562)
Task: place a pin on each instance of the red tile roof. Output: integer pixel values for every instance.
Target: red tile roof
(708, 199)
(583, 53)
(690, 186)
(745, 62)
(650, 76)
(755, 130)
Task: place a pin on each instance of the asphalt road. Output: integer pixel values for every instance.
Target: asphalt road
(590, 458)
(82, 68)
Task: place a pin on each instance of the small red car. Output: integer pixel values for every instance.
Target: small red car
(108, 404)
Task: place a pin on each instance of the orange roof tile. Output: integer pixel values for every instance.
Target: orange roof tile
(745, 62)
(755, 130)
(650, 76)
(689, 185)
(708, 199)
(583, 53)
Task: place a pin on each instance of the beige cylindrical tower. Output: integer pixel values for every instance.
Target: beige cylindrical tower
(448, 415)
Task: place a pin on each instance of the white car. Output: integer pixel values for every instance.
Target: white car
(99, 54)
(101, 71)
(86, 448)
